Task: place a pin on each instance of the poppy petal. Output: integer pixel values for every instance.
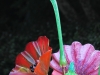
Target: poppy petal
(43, 43)
(32, 50)
(20, 60)
(43, 65)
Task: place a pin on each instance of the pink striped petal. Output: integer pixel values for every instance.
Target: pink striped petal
(20, 73)
(56, 56)
(56, 73)
(55, 66)
(85, 58)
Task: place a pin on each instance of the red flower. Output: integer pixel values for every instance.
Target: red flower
(35, 59)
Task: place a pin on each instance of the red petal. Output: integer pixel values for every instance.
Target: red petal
(31, 50)
(21, 61)
(43, 43)
(43, 65)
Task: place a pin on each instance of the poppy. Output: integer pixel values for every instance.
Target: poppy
(35, 59)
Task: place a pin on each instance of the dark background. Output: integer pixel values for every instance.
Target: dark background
(22, 21)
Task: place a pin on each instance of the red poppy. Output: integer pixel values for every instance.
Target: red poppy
(35, 59)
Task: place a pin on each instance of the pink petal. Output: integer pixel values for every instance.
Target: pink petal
(68, 53)
(56, 56)
(55, 66)
(93, 62)
(94, 72)
(75, 50)
(87, 51)
(84, 55)
(56, 73)
(20, 73)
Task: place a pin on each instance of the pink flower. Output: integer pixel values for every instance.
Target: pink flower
(86, 59)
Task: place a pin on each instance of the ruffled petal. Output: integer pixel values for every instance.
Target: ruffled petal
(56, 56)
(55, 66)
(56, 73)
(43, 43)
(30, 48)
(43, 65)
(75, 51)
(85, 58)
(68, 53)
(22, 61)
(93, 62)
(84, 55)
(20, 73)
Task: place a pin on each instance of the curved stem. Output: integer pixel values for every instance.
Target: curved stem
(62, 56)
(99, 70)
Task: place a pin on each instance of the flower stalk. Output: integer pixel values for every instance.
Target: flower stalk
(99, 70)
(62, 55)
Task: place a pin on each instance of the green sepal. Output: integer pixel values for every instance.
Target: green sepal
(63, 62)
(71, 69)
(70, 73)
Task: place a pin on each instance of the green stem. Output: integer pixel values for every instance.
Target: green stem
(62, 56)
(99, 70)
